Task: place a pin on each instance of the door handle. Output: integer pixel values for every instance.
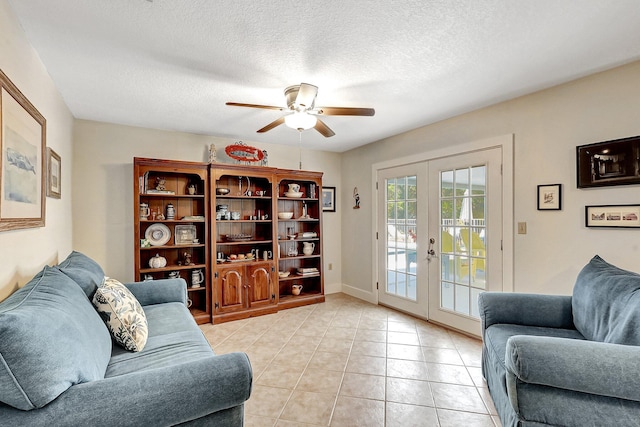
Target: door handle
(431, 253)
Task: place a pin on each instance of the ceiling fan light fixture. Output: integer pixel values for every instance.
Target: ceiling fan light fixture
(300, 121)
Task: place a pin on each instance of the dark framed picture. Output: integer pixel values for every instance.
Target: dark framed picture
(615, 162)
(616, 216)
(550, 197)
(54, 170)
(22, 167)
(328, 199)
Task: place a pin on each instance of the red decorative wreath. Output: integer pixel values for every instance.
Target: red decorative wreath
(243, 152)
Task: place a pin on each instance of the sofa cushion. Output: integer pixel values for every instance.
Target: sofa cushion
(50, 339)
(122, 314)
(84, 271)
(606, 303)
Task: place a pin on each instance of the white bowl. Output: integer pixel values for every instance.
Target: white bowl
(293, 194)
(284, 273)
(285, 215)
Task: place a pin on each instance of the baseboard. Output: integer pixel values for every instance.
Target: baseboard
(370, 297)
(332, 288)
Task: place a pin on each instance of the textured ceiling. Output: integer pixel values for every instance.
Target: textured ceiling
(172, 64)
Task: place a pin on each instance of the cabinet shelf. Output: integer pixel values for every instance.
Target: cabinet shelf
(303, 199)
(172, 196)
(293, 277)
(226, 196)
(159, 248)
(172, 268)
(240, 221)
(286, 258)
(171, 221)
(200, 289)
(244, 242)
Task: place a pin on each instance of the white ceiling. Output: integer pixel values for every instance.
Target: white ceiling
(172, 64)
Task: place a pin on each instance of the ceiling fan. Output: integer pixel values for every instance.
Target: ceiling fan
(301, 113)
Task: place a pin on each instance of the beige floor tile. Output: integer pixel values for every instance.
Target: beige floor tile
(405, 352)
(441, 355)
(364, 386)
(354, 412)
(341, 333)
(458, 418)
(367, 365)
(476, 376)
(345, 322)
(403, 415)
(307, 407)
(285, 423)
(335, 345)
(312, 328)
(302, 342)
(436, 341)
(457, 397)
(373, 324)
(371, 335)
(451, 374)
(329, 361)
(486, 398)
(496, 421)
(369, 348)
(409, 338)
(471, 358)
(320, 381)
(255, 421)
(267, 401)
(408, 369)
(401, 327)
(412, 392)
(283, 376)
(295, 359)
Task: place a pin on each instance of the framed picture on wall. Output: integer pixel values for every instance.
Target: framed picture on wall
(615, 162)
(550, 197)
(617, 216)
(54, 170)
(22, 169)
(328, 199)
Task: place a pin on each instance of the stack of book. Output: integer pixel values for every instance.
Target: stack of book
(307, 271)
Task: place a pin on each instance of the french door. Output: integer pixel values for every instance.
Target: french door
(439, 236)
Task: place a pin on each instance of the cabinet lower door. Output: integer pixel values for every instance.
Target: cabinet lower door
(260, 280)
(230, 290)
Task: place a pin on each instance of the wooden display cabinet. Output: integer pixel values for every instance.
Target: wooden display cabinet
(300, 238)
(242, 241)
(163, 188)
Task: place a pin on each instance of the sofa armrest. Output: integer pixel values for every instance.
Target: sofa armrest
(159, 397)
(584, 366)
(551, 311)
(159, 291)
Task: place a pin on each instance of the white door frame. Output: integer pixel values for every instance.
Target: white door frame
(505, 142)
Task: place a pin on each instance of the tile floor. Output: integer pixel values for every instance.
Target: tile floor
(346, 362)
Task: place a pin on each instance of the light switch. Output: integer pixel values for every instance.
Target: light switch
(522, 228)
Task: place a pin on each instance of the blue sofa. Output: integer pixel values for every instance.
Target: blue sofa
(58, 365)
(566, 360)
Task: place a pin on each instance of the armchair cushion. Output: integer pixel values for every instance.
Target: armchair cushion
(606, 303)
(84, 271)
(50, 339)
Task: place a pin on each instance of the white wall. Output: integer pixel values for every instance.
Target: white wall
(24, 252)
(547, 125)
(103, 187)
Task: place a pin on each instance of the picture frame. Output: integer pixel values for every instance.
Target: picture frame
(615, 162)
(612, 216)
(550, 197)
(185, 234)
(54, 171)
(22, 165)
(328, 199)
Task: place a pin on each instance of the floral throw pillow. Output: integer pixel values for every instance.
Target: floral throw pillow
(122, 313)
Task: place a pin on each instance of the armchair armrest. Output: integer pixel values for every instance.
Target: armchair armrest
(163, 396)
(585, 366)
(159, 291)
(551, 311)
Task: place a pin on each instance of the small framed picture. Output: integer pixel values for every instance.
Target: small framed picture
(617, 216)
(328, 199)
(54, 171)
(550, 197)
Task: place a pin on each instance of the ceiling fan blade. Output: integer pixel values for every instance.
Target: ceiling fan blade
(306, 95)
(345, 111)
(271, 125)
(266, 107)
(323, 129)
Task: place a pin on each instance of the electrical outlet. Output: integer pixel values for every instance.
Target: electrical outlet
(522, 228)
(330, 266)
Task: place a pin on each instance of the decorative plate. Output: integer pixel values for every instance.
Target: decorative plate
(158, 234)
(238, 237)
